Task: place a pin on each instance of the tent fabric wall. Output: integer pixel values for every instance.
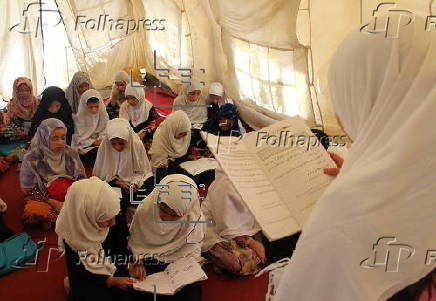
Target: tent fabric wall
(21, 50)
(300, 36)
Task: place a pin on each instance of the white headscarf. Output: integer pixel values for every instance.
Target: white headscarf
(195, 113)
(216, 88)
(87, 202)
(120, 76)
(130, 165)
(384, 92)
(89, 127)
(165, 145)
(167, 242)
(139, 113)
(225, 207)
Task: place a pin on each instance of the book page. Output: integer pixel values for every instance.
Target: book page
(183, 272)
(255, 188)
(196, 167)
(293, 159)
(160, 280)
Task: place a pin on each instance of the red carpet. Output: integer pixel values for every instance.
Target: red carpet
(162, 99)
(43, 281)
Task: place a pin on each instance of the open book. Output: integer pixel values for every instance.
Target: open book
(278, 171)
(177, 275)
(196, 167)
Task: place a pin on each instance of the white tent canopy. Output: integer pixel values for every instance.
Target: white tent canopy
(271, 55)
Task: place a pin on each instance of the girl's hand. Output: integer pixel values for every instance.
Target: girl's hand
(123, 185)
(339, 161)
(258, 248)
(97, 142)
(57, 205)
(123, 283)
(137, 270)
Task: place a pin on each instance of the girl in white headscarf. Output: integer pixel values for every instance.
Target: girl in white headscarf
(120, 82)
(79, 84)
(169, 226)
(137, 110)
(90, 125)
(82, 228)
(49, 168)
(217, 98)
(192, 102)
(229, 240)
(370, 232)
(170, 144)
(122, 161)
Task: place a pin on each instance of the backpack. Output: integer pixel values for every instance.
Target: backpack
(16, 251)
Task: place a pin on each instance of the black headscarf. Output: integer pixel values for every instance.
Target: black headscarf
(65, 114)
(226, 111)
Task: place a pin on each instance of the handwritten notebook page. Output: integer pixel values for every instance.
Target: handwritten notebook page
(177, 275)
(295, 171)
(280, 184)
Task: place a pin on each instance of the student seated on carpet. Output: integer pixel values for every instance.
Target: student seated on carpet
(121, 79)
(138, 111)
(217, 98)
(90, 125)
(225, 122)
(230, 242)
(79, 84)
(83, 225)
(122, 161)
(192, 102)
(48, 169)
(170, 144)
(20, 111)
(164, 243)
(53, 105)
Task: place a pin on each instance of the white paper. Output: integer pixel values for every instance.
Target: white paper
(280, 184)
(177, 275)
(198, 166)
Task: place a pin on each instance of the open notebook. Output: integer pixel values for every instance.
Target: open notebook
(278, 171)
(196, 167)
(177, 275)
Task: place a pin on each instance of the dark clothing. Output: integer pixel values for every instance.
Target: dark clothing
(152, 115)
(138, 196)
(89, 157)
(65, 114)
(86, 286)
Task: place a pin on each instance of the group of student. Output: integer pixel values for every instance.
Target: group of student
(73, 129)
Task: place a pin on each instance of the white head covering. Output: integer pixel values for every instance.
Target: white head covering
(195, 113)
(89, 127)
(130, 165)
(384, 92)
(139, 113)
(117, 99)
(225, 207)
(169, 241)
(165, 145)
(216, 88)
(87, 202)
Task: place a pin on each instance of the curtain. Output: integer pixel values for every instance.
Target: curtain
(21, 45)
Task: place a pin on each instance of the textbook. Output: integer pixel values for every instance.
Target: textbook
(196, 167)
(278, 171)
(177, 275)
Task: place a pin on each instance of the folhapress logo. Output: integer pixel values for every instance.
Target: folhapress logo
(31, 19)
(388, 20)
(388, 254)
